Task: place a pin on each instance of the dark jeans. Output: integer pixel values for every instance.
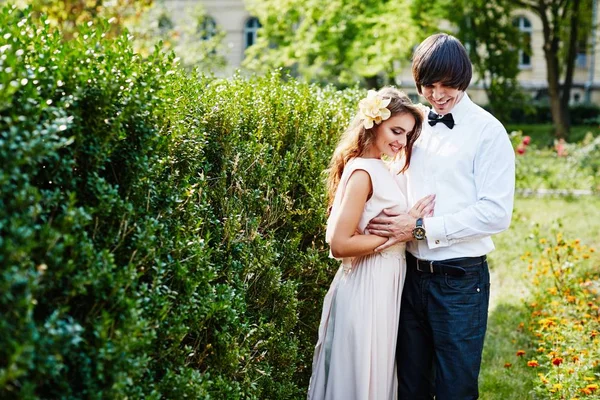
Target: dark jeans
(443, 320)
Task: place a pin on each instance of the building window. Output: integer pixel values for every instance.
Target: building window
(524, 26)
(250, 31)
(581, 60)
(207, 28)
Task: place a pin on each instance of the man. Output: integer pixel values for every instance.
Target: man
(465, 158)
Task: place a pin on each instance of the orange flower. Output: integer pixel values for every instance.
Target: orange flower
(507, 365)
(594, 333)
(557, 361)
(575, 358)
(592, 387)
(533, 363)
(586, 391)
(520, 353)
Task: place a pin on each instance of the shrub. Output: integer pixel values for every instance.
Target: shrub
(540, 113)
(161, 234)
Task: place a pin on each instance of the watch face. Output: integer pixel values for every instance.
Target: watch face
(419, 233)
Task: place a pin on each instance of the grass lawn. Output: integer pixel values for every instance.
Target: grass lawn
(580, 218)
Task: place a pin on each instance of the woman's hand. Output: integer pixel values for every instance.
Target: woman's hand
(424, 207)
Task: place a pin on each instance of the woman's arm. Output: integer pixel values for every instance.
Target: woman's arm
(345, 242)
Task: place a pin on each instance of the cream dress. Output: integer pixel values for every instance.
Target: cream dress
(355, 354)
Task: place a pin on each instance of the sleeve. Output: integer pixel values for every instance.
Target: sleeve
(494, 174)
(360, 164)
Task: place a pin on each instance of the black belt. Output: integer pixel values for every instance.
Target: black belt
(452, 266)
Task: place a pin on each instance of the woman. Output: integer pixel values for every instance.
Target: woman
(354, 356)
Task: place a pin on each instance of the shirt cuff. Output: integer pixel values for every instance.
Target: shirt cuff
(436, 232)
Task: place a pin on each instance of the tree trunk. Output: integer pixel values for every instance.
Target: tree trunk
(372, 82)
(570, 59)
(551, 42)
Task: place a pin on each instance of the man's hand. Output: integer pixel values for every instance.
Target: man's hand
(396, 227)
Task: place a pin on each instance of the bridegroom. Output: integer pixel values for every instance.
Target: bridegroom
(464, 157)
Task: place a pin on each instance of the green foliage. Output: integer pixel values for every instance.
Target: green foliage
(564, 167)
(68, 14)
(161, 234)
(504, 375)
(340, 42)
(539, 113)
(575, 168)
(563, 321)
(542, 134)
(193, 37)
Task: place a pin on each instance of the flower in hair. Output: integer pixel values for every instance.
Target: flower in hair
(373, 109)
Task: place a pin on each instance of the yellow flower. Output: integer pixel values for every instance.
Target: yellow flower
(373, 109)
(556, 387)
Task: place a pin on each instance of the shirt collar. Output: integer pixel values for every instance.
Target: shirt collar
(460, 110)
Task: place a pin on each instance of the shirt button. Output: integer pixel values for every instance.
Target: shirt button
(437, 242)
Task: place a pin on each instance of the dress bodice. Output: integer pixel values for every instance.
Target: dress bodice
(387, 194)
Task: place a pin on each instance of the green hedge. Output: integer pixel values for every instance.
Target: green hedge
(161, 235)
(539, 113)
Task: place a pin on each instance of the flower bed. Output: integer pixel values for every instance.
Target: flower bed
(564, 320)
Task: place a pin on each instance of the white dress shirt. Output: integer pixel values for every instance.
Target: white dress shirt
(471, 169)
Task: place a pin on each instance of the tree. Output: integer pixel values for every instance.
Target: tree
(67, 14)
(340, 41)
(194, 37)
(564, 24)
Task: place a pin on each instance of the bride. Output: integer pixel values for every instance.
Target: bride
(355, 354)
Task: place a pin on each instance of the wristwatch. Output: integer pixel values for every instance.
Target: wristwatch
(419, 230)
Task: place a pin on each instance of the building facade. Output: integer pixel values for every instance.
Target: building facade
(241, 28)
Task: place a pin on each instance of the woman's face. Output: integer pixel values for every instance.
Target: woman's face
(391, 134)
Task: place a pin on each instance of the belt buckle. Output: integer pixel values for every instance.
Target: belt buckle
(427, 261)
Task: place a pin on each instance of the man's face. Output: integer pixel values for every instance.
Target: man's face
(442, 98)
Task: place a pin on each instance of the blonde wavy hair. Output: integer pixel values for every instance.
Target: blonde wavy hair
(356, 139)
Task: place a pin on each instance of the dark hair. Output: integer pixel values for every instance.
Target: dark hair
(442, 58)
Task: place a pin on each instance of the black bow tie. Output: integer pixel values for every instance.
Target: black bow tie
(447, 119)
